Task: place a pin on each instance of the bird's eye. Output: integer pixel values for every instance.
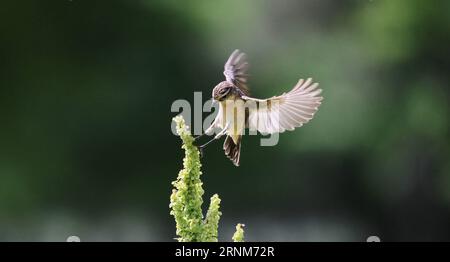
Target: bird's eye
(223, 91)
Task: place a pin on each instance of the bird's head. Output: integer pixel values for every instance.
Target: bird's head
(222, 91)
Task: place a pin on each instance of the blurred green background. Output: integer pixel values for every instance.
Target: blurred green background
(86, 147)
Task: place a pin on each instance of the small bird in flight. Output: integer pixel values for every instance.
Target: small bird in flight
(237, 110)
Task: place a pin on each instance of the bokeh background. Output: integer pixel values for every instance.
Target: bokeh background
(86, 147)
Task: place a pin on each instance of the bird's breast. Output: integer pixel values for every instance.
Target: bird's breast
(232, 116)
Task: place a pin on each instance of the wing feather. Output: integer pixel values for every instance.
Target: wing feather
(285, 112)
(235, 70)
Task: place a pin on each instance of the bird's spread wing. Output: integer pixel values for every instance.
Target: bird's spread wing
(235, 70)
(285, 112)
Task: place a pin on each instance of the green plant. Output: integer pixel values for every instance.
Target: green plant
(239, 234)
(186, 199)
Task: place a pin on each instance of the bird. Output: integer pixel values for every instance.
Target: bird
(238, 110)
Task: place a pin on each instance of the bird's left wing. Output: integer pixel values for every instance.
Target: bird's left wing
(285, 112)
(235, 70)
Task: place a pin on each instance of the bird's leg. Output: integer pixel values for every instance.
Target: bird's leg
(201, 148)
(220, 134)
(199, 136)
(208, 132)
(207, 143)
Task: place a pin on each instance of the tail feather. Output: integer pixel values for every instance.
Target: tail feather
(232, 150)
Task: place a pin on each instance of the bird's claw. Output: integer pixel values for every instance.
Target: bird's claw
(200, 150)
(196, 139)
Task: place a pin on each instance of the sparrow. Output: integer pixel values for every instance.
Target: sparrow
(238, 111)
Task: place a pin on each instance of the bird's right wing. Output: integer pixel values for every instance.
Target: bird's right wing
(285, 112)
(235, 70)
